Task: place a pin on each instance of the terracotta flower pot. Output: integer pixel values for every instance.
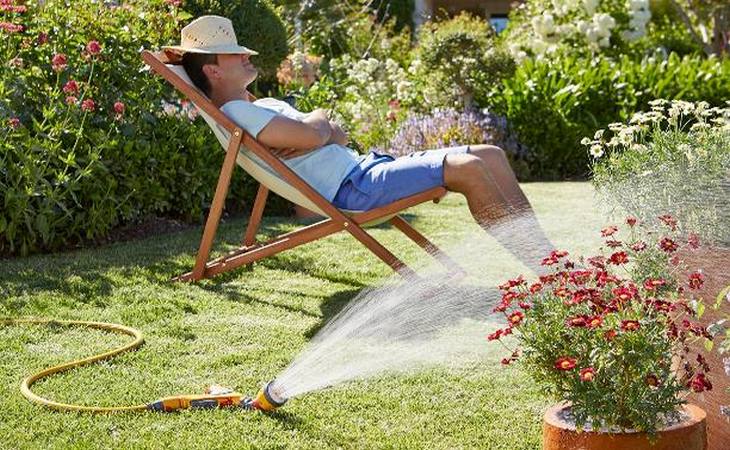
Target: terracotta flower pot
(688, 435)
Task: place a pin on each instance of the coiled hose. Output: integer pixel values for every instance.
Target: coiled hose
(112, 327)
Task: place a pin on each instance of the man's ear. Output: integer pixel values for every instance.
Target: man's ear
(211, 71)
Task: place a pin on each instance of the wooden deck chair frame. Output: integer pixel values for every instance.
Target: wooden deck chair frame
(335, 221)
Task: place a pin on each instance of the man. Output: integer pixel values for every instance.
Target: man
(315, 148)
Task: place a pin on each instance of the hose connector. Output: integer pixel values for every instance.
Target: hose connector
(269, 398)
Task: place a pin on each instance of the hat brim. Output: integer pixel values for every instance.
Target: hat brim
(221, 49)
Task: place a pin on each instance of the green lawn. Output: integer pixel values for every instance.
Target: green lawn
(243, 328)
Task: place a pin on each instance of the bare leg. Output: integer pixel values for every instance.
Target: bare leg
(497, 202)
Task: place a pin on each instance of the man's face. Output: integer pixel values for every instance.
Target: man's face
(233, 69)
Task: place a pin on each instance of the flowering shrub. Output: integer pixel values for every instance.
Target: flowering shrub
(675, 157)
(298, 69)
(448, 128)
(546, 27)
(609, 333)
(85, 143)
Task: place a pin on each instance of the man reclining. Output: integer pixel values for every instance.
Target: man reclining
(315, 148)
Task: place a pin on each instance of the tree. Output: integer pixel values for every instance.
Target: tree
(708, 21)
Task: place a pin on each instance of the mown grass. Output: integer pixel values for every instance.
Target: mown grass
(243, 328)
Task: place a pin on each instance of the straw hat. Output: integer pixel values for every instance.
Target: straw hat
(209, 34)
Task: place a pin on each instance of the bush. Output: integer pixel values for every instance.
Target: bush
(552, 105)
(71, 169)
(457, 61)
(257, 26)
(675, 158)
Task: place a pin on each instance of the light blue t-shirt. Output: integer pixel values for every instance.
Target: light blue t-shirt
(324, 169)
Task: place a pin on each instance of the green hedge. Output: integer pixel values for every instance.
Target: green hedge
(552, 105)
(69, 175)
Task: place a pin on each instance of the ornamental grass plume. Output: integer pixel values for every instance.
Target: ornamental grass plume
(610, 334)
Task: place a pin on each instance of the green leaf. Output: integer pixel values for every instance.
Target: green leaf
(708, 345)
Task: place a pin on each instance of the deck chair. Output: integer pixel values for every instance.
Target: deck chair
(273, 175)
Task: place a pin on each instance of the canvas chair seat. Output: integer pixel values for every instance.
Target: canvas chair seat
(273, 174)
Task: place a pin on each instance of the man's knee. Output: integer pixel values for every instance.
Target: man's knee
(488, 153)
(465, 172)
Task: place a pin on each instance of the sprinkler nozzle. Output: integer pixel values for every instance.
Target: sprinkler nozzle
(269, 398)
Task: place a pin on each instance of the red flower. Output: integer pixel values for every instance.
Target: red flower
(71, 87)
(668, 245)
(516, 317)
(494, 336)
(631, 221)
(557, 254)
(652, 283)
(14, 123)
(119, 108)
(594, 322)
(93, 47)
(506, 361)
(547, 279)
(577, 321)
(630, 325)
(696, 280)
(638, 246)
(394, 104)
(42, 38)
(587, 374)
(536, 287)
(670, 221)
(549, 261)
(609, 231)
(699, 383)
(580, 276)
(88, 105)
(71, 100)
(174, 2)
(619, 258)
(565, 363)
(609, 335)
(624, 294)
(561, 292)
(597, 261)
(524, 305)
(507, 331)
(502, 307)
(59, 62)
(613, 243)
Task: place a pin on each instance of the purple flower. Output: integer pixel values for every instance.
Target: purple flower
(448, 128)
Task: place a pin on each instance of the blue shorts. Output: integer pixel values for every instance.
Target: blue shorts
(382, 179)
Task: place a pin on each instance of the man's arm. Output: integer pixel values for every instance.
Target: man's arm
(309, 134)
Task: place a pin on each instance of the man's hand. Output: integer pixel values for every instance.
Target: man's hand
(338, 135)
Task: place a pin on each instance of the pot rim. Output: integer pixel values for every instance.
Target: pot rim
(695, 415)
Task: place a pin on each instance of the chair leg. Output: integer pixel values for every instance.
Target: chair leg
(219, 198)
(256, 213)
(425, 244)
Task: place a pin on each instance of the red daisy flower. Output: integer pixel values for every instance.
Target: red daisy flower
(668, 245)
(651, 284)
(631, 221)
(594, 322)
(638, 246)
(619, 258)
(565, 363)
(700, 383)
(609, 231)
(587, 374)
(696, 280)
(630, 325)
(516, 317)
(669, 221)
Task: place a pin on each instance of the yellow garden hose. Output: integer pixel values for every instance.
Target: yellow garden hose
(30, 380)
(216, 397)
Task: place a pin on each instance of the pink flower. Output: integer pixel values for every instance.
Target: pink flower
(174, 2)
(71, 87)
(14, 123)
(88, 105)
(71, 100)
(93, 47)
(638, 246)
(42, 38)
(693, 240)
(11, 28)
(631, 221)
(59, 62)
(669, 221)
(119, 108)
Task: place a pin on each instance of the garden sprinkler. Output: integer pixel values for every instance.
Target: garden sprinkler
(269, 398)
